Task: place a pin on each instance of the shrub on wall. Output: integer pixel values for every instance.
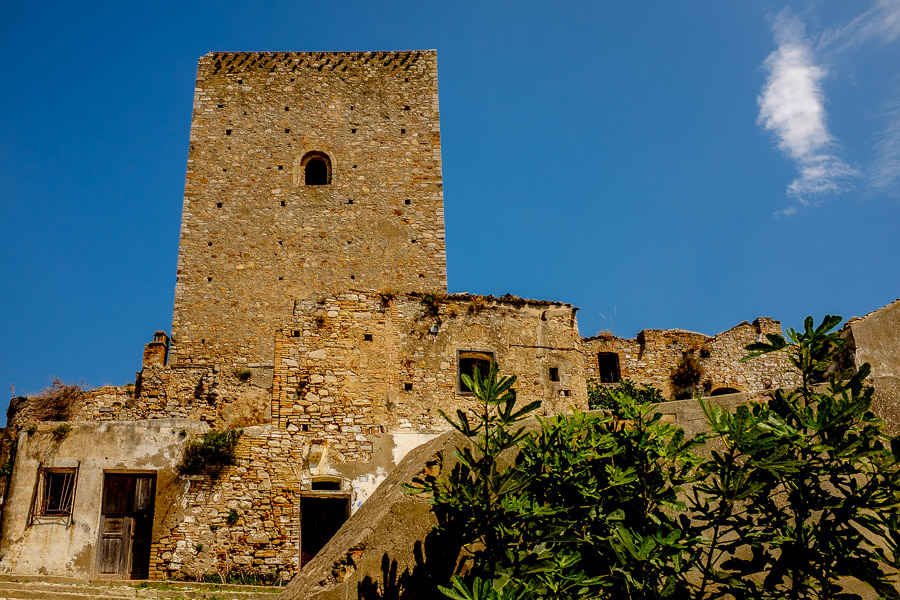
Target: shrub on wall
(606, 397)
(211, 452)
(686, 375)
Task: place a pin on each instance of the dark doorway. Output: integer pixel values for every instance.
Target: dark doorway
(608, 367)
(126, 524)
(320, 518)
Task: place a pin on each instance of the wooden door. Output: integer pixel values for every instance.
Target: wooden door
(126, 524)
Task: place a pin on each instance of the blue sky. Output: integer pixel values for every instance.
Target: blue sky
(658, 164)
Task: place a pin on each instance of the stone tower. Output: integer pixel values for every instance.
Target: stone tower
(308, 174)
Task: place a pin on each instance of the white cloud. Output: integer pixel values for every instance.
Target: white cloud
(881, 23)
(792, 108)
(884, 174)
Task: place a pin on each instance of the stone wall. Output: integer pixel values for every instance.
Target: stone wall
(254, 236)
(358, 382)
(653, 354)
(355, 361)
(224, 396)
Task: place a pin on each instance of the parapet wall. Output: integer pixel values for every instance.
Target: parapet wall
(653, 354)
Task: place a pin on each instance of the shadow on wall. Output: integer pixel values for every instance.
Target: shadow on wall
(435, 564)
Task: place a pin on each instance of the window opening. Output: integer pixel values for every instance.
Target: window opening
(54, 495)
(467, 362)
(326, 485)
(554, 374)
(608, 367)
(316, 168)
(407, 387)
(58, 494)
(367, 337)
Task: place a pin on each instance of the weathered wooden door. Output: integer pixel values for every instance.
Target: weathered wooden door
(126, 524)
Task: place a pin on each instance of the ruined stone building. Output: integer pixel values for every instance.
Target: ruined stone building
(311, 312)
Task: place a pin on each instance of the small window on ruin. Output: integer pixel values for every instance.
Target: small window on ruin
(227, 132)
(468, 361)
(608, 367)
(407, 201)
(407, 387)
(367, 337)
(56, 492)
(554, 374)
(316, 168)
(326, 485)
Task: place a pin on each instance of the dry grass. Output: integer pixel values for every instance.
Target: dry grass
(57, 402)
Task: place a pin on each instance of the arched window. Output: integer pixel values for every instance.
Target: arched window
(724, 390)
(316, 168)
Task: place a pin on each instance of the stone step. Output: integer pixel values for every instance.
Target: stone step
(61, 588)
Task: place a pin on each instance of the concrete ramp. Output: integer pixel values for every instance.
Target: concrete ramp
(386, 549)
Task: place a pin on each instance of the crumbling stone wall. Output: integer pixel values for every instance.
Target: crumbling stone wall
(653, 354)
(255, 236)
(354, 361)
(342, 408)
(223, 396)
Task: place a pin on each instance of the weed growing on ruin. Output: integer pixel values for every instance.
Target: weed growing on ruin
(31, 430)
(238, 576)
(56, 402)
(607, 397)
(232, 517)
(432, 303)
(6, 469)
(61, 431)
(686, 376)
(243, 373)
(211, 452)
